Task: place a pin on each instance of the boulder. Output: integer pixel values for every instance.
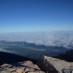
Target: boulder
(54, 65)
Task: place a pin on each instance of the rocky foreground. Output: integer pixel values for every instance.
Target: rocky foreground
(44, 65)
(21, 67)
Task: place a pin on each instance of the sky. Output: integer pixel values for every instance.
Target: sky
(35, 15)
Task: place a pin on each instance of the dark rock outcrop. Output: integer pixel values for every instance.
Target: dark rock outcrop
(68, 56)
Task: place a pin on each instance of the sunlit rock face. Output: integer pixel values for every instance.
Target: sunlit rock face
(21, 67)
(53, 65)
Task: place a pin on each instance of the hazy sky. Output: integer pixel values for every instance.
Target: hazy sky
(35, 15)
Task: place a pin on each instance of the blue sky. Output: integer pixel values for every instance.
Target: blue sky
(35, 15)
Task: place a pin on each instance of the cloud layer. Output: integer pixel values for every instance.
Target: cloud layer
(56, 38)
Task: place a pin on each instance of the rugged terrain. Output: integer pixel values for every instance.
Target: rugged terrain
(21, 67)
(46, 64)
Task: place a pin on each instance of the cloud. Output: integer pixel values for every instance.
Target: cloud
(59, 38)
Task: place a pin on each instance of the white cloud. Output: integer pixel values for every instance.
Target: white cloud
(42, 38)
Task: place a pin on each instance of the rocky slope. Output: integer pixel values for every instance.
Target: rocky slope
(53, 65)
(21, 67)
(46, 64)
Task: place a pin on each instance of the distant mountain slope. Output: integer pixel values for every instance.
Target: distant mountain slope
(12, 58)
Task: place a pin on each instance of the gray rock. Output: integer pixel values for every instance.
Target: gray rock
(21, 67)
(53, 65)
